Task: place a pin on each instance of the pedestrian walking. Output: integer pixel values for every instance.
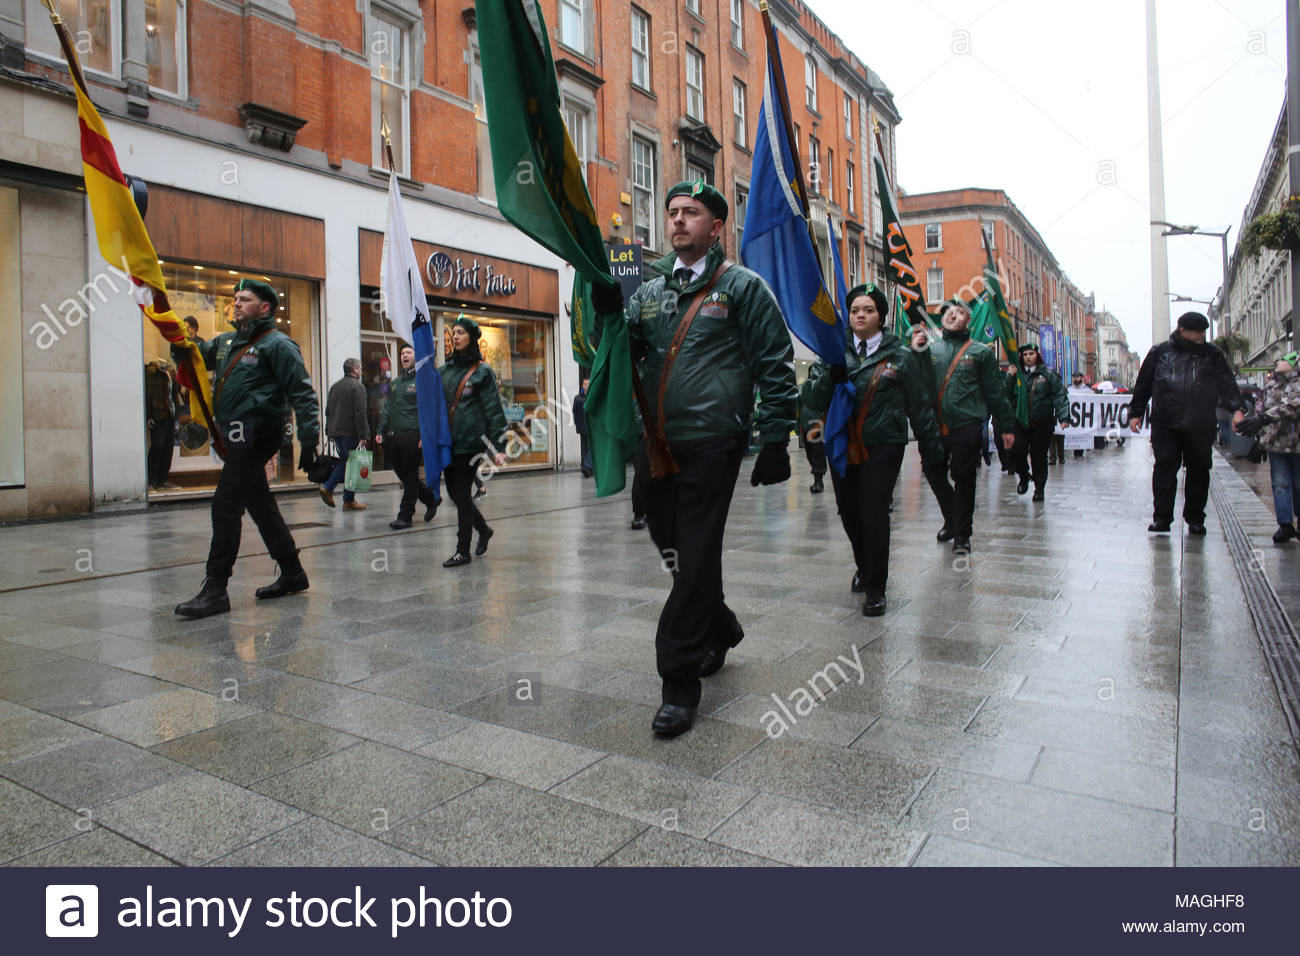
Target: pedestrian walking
(1047, 404)
(890, 393)
(706, 333)
(1080, 388)
(1006, 456)
(399, 434)
(967, 390)
(478, 426)
(1278, 428)
(1183, 379)
(347, 425)
(580, 424)
(814, 447)
(259, 373)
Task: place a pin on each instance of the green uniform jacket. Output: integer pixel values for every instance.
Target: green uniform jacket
(268, 378)
(401, 412)
(1047, 396)
(480, 414)
(738, 342)
(900, 396)
(975, 389)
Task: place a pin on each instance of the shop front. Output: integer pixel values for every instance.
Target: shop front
(512, 302)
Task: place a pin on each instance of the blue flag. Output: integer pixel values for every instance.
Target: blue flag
(835, 429)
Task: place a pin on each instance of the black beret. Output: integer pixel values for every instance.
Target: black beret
(868, 289)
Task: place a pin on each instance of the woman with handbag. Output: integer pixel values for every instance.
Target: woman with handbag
(478, 427)
(891, 391)
(1278, 426)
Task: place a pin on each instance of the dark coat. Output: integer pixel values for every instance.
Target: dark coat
(1183, 382)
(345, 409)
(479, 414)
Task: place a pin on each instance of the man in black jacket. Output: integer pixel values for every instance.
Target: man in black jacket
(1184, 379)
(348, 425)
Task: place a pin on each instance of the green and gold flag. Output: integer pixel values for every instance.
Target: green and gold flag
(909, 299)
(991, 320)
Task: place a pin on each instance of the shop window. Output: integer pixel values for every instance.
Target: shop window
(11, 342)
(205, 292)
(95, 26)
(389, 92)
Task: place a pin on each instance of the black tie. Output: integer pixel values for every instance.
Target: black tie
(683, 276)
(862, 348)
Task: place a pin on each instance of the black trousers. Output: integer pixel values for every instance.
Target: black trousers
(162, 439)
(405, 454)
(1031, 447)
(815, 452)
(1173, 448)
(962, 451)
(863, 496)
(640, 475)
(243, 486)
(687, 515)
(459, 478)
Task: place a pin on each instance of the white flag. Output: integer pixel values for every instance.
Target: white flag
(401, 290)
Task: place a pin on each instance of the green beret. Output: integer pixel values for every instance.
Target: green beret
(1029, 346)
(470, 326)
(259, 289)
(713, 200)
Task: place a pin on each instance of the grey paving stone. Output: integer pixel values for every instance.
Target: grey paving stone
(208, 672)
(804, 835)
(297, 696)
(90, 773)
(710, 745)
(946, 747)
(501, 824)
(910, 702)
(945, 851)
(337, 663)
(540, 709)
(256, 747)
(431, 685)
(97, 847)
(822, 725)
(68, 687)
(16, 656)
(970, 680)
(1201, 843)
(1251, 805)
(28, 732)
(1103, 734)
(196, 818)
(526, 759)
(318, 842)
(46, 636)
(1110, 778)
(30, 822)
(1245, 757)
(165, 716)
(658, 847)
(369, 788)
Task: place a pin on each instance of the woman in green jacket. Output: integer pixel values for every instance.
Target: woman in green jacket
(891, 391)
(478, 428)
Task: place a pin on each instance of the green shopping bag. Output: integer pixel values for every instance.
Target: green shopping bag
(357, 475)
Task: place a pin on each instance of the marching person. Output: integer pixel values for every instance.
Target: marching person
(478, 426)
(967, 389)
(1047, 405)
(399, 434)
(890, 393)
(814, 446)
(1077, 387)
(706, 333)
(257, 373)
(1184, 378)
(347, 425)
(1278, 428)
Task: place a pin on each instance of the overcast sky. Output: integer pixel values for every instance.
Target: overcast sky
(1050, 104)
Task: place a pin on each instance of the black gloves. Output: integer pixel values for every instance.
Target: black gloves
(1251, 424)
(773, 465)
(839, 373)
(608, 300)
(307, 457)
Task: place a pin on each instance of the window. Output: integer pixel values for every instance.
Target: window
(934, 285)
(96, 28)
(855, 261)
(850, 202)
(933, 236)
(389, 97)
(573, 25)
(848, 116)
(830, 174)
(640, 48)
(577, 118)
(814, 164)
(164, 49)
(810, 82)
(644, 190)
(695, 84)
(694, 7)
(487, 187)
(696, 173)
(738, 112)
(738, 24)
(738, 215)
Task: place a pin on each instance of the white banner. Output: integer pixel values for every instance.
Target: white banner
(1106, 416)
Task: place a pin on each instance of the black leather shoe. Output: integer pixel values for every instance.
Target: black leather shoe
(484, 537)
(672, 720)
(944, 535)
(817, 486)
(400, 524)
(1284, 533)
(856, 585)
(1197, 529)
(960, 544)
(289, 582)
(874, 605)
(713, 661)
(456, 560)
(211, 599)
(1023, 486)
(1158, 527)
(638, 522)
(1038, 495)
(430, 511)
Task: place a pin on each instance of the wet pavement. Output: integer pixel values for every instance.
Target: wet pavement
(1077, 692)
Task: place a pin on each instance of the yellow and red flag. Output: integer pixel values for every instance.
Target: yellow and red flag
(120, 232)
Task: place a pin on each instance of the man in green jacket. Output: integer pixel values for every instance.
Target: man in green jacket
(257, 373)
(1048, 404)
(399, 433)
(736, 342)
(967, 388)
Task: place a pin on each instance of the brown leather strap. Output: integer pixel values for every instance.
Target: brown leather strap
(952, 367)
(679, 337)
(234, 360)
(857, 450)
(455, 402)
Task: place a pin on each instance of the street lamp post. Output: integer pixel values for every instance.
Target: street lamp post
(1173, 230)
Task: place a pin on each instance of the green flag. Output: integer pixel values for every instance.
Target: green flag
(990, 319)
(540, 188)
(909, 300)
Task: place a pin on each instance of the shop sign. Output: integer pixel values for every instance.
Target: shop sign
(454, 275)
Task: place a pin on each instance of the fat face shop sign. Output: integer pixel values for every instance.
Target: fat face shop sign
(457, 275)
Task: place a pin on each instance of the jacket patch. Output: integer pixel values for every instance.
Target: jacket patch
(714, 310)
(249, 358)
